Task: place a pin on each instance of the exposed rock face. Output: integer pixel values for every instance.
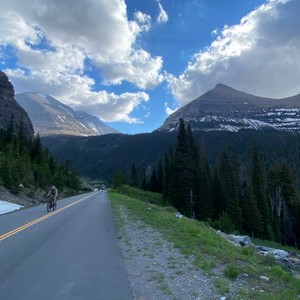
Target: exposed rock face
(11, 113)
(224, 108)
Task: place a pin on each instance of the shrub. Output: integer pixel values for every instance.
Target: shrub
(231, 271)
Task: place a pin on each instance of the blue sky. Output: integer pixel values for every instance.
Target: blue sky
(133, 62)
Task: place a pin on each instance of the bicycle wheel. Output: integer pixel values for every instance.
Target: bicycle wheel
(54, 206)
(48, 206)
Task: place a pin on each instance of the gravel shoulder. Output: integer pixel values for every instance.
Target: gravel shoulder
(157, 270)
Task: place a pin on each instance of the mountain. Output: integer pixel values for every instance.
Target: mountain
(51, 117)
(226, 109)
(12, 115)
(98, 157)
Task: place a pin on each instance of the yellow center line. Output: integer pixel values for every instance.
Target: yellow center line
(18, 229)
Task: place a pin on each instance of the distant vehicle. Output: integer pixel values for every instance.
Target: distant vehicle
(96, 190)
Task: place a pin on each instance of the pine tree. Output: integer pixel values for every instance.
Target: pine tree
(224, 177)
(260, 197)
(251, 214)
(183, 172)
(118, 179)
(204, 206)
(233, 205)
(154, 181)
(282, 197)
(134, 181)
(217, 196)
(227, 176)
(167, 189)
(160, 177)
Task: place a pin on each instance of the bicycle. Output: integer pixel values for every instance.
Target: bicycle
(51, 204)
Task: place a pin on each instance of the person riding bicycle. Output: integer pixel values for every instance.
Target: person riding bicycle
(53, 192)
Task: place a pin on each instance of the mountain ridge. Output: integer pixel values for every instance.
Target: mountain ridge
(52, 117)
(225, 108)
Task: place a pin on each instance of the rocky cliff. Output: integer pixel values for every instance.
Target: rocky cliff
(12, 115)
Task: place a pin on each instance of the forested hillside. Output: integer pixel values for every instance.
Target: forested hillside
(26, 163)
(99, 157)
(256, 196)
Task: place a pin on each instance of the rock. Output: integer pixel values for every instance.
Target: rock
(241, 240)
(264, 278)
(280, 253)
(179, 215)
(11, 113)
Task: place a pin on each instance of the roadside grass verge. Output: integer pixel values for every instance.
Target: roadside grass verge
(212, 253)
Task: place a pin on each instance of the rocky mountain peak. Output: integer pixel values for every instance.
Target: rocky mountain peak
(227, 109)
(221, 86)
(11, 113)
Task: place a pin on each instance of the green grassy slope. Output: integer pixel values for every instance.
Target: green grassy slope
(212, 253)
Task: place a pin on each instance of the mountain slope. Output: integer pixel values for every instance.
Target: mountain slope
(100, 156)
(51, 117)
(227, 109)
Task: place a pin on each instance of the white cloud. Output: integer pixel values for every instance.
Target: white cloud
(76, 91)
(162, 16)
(143, 20)
(52, 40)
(260, 56)
(112, 107)
(141, 69)
(169, 110)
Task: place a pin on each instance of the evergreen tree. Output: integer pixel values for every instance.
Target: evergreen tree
(204, 206)
(282, 195)
(168, 180)
(251, 214)
(223, 175)
(182, 174)
(118, 179)
(160, 177)
(260, 197)
(233, 205)
(134, 181)
(228, 197)
(217, 196)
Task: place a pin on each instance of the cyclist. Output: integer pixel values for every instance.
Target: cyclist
(53, 192)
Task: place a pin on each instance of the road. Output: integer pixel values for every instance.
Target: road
(71, 253)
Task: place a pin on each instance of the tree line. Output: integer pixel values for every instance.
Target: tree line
(230, 195)
(25, 163)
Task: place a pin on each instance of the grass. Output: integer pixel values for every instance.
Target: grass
(231, 271)
(211, 251)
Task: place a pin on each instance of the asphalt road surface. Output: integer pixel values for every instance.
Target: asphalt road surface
(71, 253)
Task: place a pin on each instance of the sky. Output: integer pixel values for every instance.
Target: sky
(133, 62)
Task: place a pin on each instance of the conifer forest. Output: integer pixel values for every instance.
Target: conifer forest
(24, 162)
(233, 196)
